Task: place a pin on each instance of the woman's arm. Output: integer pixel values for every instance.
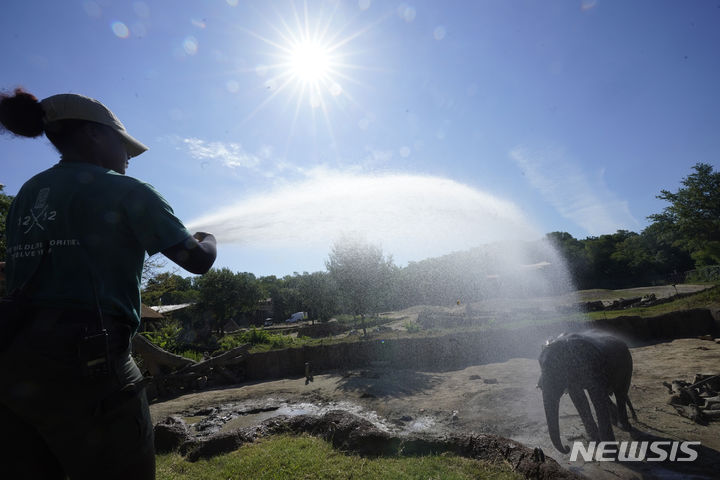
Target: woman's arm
(195, 254)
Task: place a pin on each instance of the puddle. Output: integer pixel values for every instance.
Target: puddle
(421, 424)
(229, 417)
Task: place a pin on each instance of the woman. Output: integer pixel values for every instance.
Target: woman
(77, 234)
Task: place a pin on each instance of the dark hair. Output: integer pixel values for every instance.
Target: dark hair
(21, 113)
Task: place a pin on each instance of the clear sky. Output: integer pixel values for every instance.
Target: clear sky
(424, 126)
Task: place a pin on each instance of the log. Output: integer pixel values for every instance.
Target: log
(692, 412)
(229, 358)
(157, 360)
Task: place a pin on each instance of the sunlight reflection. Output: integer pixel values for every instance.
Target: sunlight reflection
(190, 45)
(120, 29)
(139, 29)
(439, 32)
(406, 12)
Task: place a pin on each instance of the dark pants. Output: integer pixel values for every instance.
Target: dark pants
(59, 422)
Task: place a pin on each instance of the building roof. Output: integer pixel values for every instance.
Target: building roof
(147, 312)
(170, 308)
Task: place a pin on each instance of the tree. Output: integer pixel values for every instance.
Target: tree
(168, 288)
(319, 295)
(693, 217)
(224, 295)
(362, 274)
(5, 201)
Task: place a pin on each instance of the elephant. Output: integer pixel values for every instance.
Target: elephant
(594, 361)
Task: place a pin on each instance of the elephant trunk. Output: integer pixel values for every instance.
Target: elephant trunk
(551, 401)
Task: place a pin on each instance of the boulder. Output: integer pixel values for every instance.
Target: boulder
(171, 434)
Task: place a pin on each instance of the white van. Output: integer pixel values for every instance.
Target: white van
(296, 317)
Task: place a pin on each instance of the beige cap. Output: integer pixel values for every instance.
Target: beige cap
(66, 106)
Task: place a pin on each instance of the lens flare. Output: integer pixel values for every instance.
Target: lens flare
(120, 29)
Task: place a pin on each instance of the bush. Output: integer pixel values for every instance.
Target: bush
(411, 327)
(704, 274)
(258, 337)
(166, 337)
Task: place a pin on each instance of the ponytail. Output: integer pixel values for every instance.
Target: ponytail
(21, 113)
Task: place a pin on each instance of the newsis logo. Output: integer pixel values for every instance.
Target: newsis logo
(658, 451)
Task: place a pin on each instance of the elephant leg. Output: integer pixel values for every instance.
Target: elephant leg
(601, 401)
(622, 400)
(583, 407)
(613, 412)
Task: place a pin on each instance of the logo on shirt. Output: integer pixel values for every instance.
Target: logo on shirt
(40, 213)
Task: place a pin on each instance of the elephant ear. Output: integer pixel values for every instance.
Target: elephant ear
(553, 364)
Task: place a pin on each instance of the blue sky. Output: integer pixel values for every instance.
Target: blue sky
(424, 126)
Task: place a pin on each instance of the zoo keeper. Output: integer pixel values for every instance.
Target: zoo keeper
(71, 401)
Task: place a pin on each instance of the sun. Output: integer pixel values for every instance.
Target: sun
(310, 62)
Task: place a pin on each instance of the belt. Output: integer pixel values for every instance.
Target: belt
(75, 323)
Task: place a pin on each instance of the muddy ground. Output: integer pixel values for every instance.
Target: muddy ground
(498, 398)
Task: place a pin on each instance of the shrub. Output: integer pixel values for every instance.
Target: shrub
(411, 327)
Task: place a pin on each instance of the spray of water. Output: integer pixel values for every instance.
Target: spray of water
(412, 217)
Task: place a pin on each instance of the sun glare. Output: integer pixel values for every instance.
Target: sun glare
(310, 64)
(309, 61)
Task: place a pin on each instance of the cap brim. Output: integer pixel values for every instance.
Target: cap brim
(133, 147)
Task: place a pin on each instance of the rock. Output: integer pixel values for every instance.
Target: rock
(490, 380)
(594, 306)
(219, 444)
(170, 434)
(475, 377)
(705, 337)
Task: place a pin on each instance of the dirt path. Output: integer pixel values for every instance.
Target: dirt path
(498, 398)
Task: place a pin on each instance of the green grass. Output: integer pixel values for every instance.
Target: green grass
(285, 457)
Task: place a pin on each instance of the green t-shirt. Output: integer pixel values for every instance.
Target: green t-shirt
(98, 225)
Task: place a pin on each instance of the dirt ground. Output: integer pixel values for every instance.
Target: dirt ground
(498, 398)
